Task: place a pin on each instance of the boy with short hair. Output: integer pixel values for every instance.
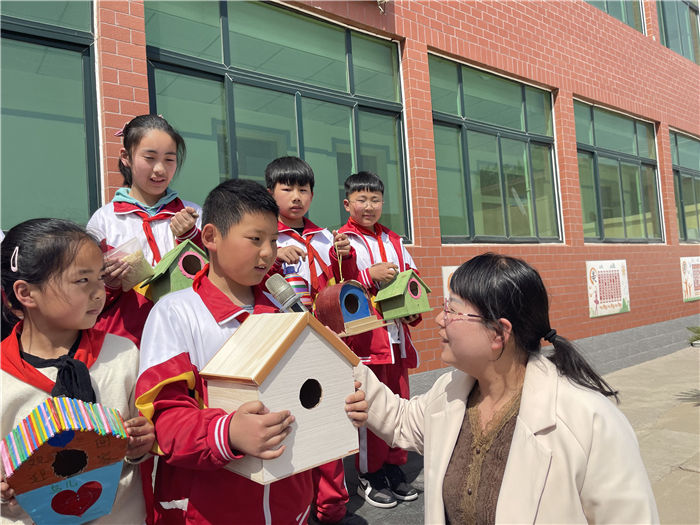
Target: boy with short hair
(184, 330)
(388, 351)
(310, 251)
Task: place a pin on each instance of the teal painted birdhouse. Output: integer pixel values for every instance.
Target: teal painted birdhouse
(406, 295)
(175, 271)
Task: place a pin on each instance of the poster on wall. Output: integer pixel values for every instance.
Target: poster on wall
(690, 277)
(608, 290)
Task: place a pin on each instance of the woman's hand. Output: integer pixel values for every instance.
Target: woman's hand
(356, 406)
(142, 434)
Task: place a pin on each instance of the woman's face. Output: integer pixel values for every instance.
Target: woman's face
(466, 339)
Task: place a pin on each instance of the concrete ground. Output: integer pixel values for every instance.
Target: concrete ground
(661, 399)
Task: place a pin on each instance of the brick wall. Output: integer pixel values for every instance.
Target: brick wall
(571, 48)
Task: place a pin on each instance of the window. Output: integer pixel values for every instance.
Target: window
(617, 174)
(49, 151)
(494, 155)
(243, 88)
(685, 152)
(627, 11)
(678, 24)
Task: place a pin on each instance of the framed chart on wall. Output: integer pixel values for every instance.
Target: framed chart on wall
(608, 288)
(690, 278)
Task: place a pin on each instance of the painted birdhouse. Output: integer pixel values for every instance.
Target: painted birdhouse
(64, 460)
(175, 271)
(346, 309)
(288, 361)
(406, 295)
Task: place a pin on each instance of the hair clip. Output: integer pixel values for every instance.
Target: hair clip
(120, 133)
(13, 259)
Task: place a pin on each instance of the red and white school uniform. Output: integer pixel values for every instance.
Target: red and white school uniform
(118, 222)
(388, 351)
(184, 330)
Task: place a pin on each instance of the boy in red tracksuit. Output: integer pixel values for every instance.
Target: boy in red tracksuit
(379, 255)
(184, 330)
(310, 251)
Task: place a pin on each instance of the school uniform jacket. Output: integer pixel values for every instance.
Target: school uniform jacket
(184, 330)
(113, 364)
(375, 347)
(574, 457)
(117, 222)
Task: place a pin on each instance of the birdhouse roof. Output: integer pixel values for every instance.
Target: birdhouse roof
(258, 345)
(171, 258)
(398, 285)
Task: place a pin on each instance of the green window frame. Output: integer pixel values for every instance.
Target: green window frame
(679, 25)
(617, 176)
(494, 151)
(685, 152)
(627, 11)
(243, 88)
(49, 112)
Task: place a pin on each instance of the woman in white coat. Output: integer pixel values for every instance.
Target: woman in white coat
(512, 436)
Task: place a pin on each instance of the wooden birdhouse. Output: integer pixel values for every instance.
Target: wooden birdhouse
(346, 309)
(64, 460)
(175, 271)
(288, 361)
(406, 295)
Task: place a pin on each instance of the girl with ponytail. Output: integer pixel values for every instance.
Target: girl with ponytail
(512, 435)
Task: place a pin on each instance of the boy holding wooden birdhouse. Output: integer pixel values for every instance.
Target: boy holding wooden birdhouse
(380, 256)
(185, 329)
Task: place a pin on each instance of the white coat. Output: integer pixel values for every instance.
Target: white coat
(574, 457)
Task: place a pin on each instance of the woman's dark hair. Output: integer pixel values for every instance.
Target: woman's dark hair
(499, 286)
(137, 128)
(363, 181)
(292, 171)
(35, 251)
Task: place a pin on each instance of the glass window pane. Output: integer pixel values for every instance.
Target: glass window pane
(651, 202)
(614, 132)
(452, 194)
(44, 137)
(444, 83)
(671, 25)
(518, 189)
(610, 198)
(265, 129)
(584, 124)
(688, 152)
(695, 235)
(71, 15)
(543, 179)
(190, 28)
(591, 226)
(379, 153)
(690, 209)
(196, 108)
(633, 15)
(328, 150)
(267, 39)
(485, 181)
(674, 148)
(375, 67)
(539, 111)
(682, 235)
(488, 98)
(645, 140)
(615, 9)
(694, 43)
(632, 195)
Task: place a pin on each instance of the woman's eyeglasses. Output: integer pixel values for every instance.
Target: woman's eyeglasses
(451, 315)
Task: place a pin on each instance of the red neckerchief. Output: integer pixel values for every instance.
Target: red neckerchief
(221, 307)
(166, 212)
(394, 239)
(307, 234)
(12, 363)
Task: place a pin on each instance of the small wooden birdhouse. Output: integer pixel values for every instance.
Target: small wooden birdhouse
(64, 460)
(288, 361)
(175, 271)
(346, 309)
(406, 295)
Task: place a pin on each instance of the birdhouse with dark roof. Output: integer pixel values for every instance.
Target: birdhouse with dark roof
(288, 361)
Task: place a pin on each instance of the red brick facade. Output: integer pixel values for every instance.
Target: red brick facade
(570, 48)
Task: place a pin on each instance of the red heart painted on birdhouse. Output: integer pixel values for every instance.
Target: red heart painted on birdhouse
(72, 503)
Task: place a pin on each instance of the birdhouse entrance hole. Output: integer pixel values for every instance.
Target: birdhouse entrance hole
(351, 303)
(190, 264)
(310, 393)
(414, 288)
